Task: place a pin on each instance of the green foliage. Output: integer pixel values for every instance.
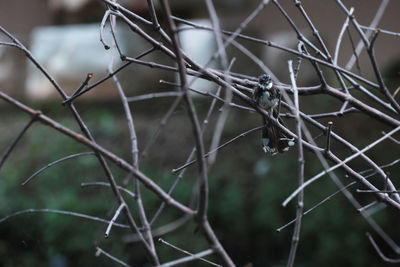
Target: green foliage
(246, 192)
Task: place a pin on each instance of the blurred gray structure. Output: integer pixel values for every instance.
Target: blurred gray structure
(200, 45)
(70, 52)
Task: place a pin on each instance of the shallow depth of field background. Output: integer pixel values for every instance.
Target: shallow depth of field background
(246, 186)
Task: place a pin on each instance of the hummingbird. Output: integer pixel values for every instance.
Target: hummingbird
(267, 96)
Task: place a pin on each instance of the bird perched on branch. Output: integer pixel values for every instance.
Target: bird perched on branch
(267, 96)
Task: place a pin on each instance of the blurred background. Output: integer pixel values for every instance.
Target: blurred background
(246, 187)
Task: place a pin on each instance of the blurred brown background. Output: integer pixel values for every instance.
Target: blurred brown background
(26, 20)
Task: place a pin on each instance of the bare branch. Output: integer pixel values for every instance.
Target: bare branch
(316, 177)
(371, 239)
(378, 16)
(99, 251)
(120, 162)
(191, 257)
(108, 185)
(54, 163)
(69, 213)
(10, 148)
(300, 203)
(114, 218)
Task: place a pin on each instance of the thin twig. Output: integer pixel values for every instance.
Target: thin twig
(369, 45)
(316, 206)
(162, 230)
(352, 173)
(328, 137)
(114, 218)
(331, 196)
(152, 96)
(174, 171)
(203, 178)
(99, 251)
(99, 149)
(300, 203)
(192, 256)
(376, 247)
(201, 215)
(215, 96)
(134, 152)
(353, 46)
(316, 177)
(88, 88)
(54, 163)
(300, 36)
(223, 116)
(10, 148)
(377, 191)
(69, 213)
(108, 185)
(393, 139)
(235, 34)
(378, 16)
(340, 37)
(192, 153)
(102, 25)
(83, 84)
(364, 208)
(88, 139)
(153, 15)
(337, 192)
(334, 114)
(373, 112)
(161, 125)
(397, 34)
